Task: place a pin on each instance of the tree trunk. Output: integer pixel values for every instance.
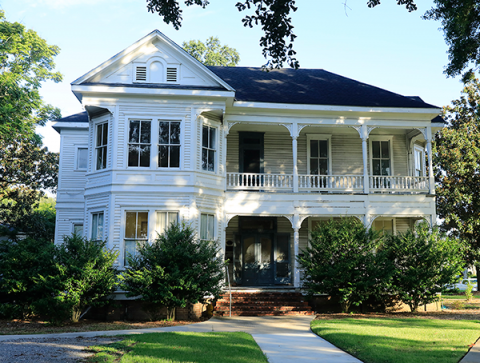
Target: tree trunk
(477, 268)
(76, 312)
(171, 314)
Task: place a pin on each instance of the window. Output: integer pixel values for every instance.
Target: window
(139, 143)
(208, 148)
(101, 145)
(82, 158)
(384, 226)
(164, 220)
(136, 232)
(207, 229)
(381, 160)
(97, 226)
(318, 153)
(169, 144)
(78, 229)
(419, 161)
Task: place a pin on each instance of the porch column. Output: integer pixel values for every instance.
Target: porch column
(296, 270)
(295, 167)
(431, 178)
(366, 181)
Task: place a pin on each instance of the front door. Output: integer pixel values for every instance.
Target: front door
(251, 152)
(257, 259)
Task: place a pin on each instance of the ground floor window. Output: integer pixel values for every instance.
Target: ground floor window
(78, 229)
(165, 220)
(136, 232)
(97, 226)
(385, 226)
(207, 227)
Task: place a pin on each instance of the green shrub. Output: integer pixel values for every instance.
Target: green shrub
(174, 270)
(468, 291)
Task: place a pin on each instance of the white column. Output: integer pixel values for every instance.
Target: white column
(296, 244)
(430, 162)
(224, 155)
(366, 181)
(295, 167)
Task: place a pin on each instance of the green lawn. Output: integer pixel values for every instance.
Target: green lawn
(388, 340)
(182, 347)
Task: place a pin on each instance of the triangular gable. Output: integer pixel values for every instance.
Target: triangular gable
(163, 61)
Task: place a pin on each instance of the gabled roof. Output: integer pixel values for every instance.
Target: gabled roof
(309, 86)
(77, 117)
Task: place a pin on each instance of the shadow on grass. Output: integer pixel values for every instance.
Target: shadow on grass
(400, 340)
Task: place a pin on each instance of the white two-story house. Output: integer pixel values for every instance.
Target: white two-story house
(252, 159)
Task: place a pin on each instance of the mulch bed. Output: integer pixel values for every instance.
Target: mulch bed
(441, 315)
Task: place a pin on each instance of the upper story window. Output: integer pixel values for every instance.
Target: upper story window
(101, 143)
(207, 227)
(169, 144)
(165, 220)
(208, 148)
(139, 143)
(97, 226)
(318, 150)
(419, 161)
(82, 158)
(136, 232)
(381, 157)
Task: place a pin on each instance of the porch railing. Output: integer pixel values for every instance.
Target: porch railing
(259, 181)
(399, 183)
(331, 182)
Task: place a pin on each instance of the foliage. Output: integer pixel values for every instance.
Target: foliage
(25, 170)
(26, 60)
(456, 158)
(340, 262)
(468, 291)
(84, 276)
(174, 270)
(212, 53)
(21, 262)
(424, 262)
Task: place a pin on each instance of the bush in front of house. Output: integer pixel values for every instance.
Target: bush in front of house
(173, 271)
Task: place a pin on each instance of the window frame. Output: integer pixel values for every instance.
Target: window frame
(77, 154)
(383, 219)
(214, 149)
(208, 214)
(92, 213)
(77, 223)
(156, 233)
(420, 149)
(371, 139)
(323, 137)
(180, 145)
(136, 239)
(101, 124)
(128, 143)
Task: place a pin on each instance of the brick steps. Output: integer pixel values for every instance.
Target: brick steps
(262, 304)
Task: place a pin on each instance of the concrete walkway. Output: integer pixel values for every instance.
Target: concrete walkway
(283, 339)
(473, 356)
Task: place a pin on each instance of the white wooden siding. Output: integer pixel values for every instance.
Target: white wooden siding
(71, 178)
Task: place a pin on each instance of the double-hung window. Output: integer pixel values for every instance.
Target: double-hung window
(139, 144)
(136, 232)
(207, 227)
(101, 143)
(165, 220)
(381, 158)
(419, 161)
(208, 148)
(97, 226)
(319, 157)
(82, 158)
(169, 144)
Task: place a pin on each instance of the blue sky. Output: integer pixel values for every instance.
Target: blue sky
(385, 46)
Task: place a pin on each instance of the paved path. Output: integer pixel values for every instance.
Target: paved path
(473, 356)
(282, 339)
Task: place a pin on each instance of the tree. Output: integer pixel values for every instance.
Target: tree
(212, 53)
(26, 60)
(456, 158)
(424, 262)
(25, 170)
(174, 270)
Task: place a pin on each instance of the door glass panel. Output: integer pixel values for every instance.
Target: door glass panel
(314, 166)
(385, 151)
(376, 149)
(323, 148)
(251, 161)
(249, 250)
(281, 254)
(314, 148)
(266, 254)
(282, 270)
(385, 167)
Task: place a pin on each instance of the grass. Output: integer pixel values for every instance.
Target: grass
(393, 340)
(182, 347)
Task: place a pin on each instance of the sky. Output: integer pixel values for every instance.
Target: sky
(386, 46)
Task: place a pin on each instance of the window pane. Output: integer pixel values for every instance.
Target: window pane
(104, 157)
(385, 167)
(388, 226)
(376, 167)
(212, 138)
(211, 232)
(376, 149)
(100, 227)
(211, 160)
(134, 131)
(145, 155)
(163, 132)
(78, 229)
(203, 226)
(130, 249)
(105, 134)
(133, 155)
(174, 156)
(174, 132)
(130, 222)
(172, 218)
(100, 158)
(94, 226)
(142, 225)
(82, 158)
(314, 166)
(205, 136)
(385, 150)
(163, 156)
(145, 135)
(204, 159)
(161, 222)
(99, 135)
(323, 167)
(323, 148)
(314, 148)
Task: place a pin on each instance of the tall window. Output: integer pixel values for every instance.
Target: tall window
(82, 158)
(207, 227)
(78, 229)
(97, 226)
(419, 161)
(384, 226)
(101, 145)
(136, 232)
(381, 160)
(208, 148)
(169, 144)
(319, 157)
(165, 220)
(139, 143)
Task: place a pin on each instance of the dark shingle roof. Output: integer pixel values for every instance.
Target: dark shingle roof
(309, 86)
(78, 117)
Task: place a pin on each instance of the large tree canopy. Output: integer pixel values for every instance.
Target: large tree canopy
(457, 168)
(212, 53)
(26, 60)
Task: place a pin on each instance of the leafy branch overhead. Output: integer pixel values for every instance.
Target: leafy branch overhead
(212, 53)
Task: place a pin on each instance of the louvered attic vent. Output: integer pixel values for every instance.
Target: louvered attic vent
(171, 74)
(141, 74)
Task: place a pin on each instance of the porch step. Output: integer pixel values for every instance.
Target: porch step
(262, 304)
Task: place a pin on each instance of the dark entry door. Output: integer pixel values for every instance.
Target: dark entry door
(258, 259)
(251, 152)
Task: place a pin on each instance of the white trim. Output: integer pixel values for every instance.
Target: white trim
(77, 222)
(388, 138)
(327, 137)
(216, 166)
(77, 147)
(215, 220)
(417, 147)
(123, 224)
(90, 224)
